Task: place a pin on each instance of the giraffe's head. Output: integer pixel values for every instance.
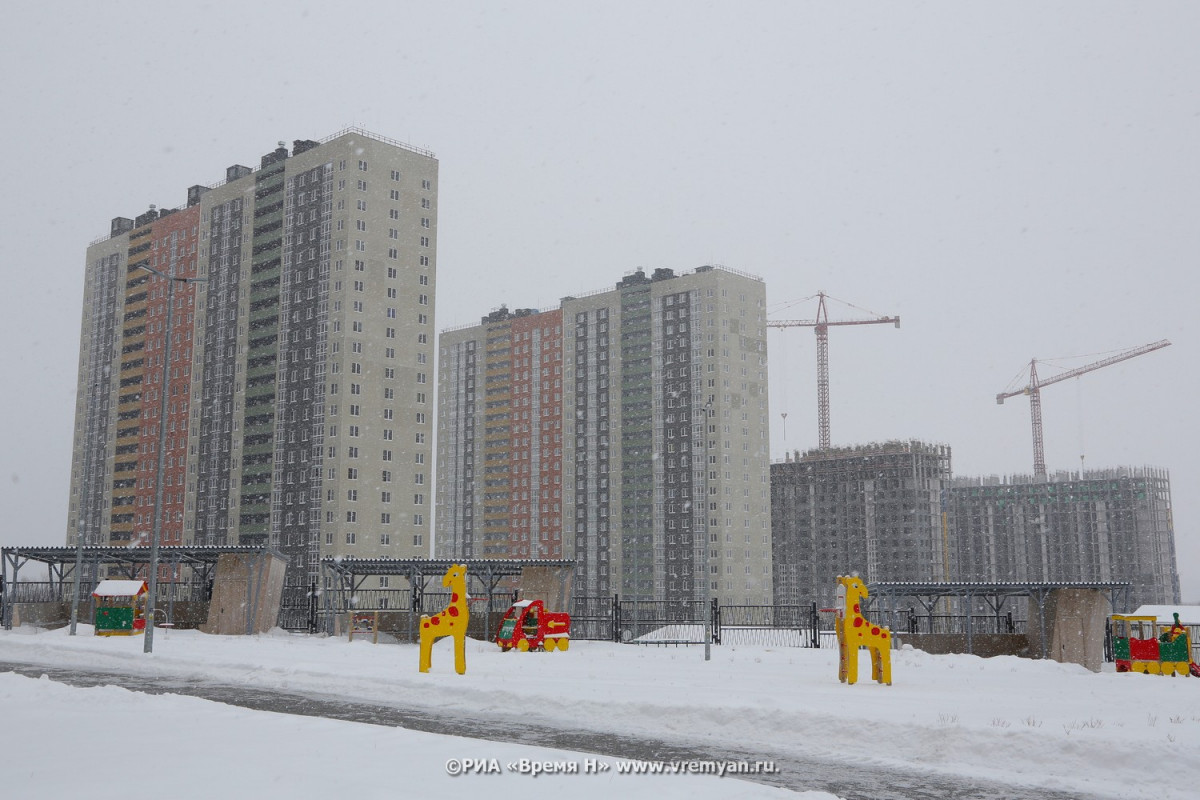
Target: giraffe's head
(455, 573)
(853, 585)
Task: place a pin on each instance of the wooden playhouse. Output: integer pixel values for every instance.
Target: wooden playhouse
(120, 607)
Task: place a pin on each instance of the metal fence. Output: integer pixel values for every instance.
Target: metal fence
(780, 626)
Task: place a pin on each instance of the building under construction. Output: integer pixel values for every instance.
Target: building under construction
(893, 512)
(1099, 525)
(875, 510)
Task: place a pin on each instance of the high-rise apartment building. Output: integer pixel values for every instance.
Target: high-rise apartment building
(875, 510)
(1099, 525)
(625, 430)
(296, 392)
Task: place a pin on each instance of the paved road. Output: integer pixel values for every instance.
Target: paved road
(793, 773)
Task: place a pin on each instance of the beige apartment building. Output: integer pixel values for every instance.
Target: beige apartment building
(297, 384)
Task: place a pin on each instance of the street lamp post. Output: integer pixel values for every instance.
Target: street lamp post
(156, 536)
(707, 577)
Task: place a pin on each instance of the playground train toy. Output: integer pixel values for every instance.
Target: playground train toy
(527, 625)
(1140, 644)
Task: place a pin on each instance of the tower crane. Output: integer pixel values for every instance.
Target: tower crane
(821, 326)
(1034, 391)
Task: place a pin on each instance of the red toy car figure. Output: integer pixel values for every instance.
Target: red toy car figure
(527, 625)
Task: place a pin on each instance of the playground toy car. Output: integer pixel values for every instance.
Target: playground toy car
(1140, 646)
(527, 625)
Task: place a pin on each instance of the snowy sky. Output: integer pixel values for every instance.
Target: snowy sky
(1014, 181)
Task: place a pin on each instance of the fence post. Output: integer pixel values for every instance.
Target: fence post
(312, 607)
(814, 625)
(714, 614)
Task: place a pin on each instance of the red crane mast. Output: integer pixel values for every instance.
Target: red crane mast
(821, 326)
(1034, 392)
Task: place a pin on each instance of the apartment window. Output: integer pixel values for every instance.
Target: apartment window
(424, 222)
(362, 186)
(424, 241)
(394, 194)
(426, 184)
(420, 438)
(387, 455)
(390, 333)
(362, 165)
(360, 265)
(354, 409)
(423, 280)
(422, 319)
(356, 326)
(351, 516)
(423, 299)
(387, 476)
(394, 213)
(395, 174)
(393, 254)
(361, 204)
(351, 537)
(418, 519)
(385, 518)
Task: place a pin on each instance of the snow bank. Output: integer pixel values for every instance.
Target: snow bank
(1029, 723)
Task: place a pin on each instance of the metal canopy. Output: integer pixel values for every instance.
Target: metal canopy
(343, 577)
(995, 594)
(60, 563)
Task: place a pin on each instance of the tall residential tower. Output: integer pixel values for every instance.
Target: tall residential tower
(626, 430)
(297, 387)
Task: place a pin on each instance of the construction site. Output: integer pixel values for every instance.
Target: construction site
(895, 512)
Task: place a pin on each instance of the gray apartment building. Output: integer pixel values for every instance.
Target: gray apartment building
(626, 430)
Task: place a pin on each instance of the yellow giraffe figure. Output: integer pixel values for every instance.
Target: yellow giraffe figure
(854, 631)
(452, 621)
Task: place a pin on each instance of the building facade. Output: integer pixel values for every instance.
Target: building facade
(296, 391)
(1101, 525)
(636, 421)
(500, 438)
(875, 510)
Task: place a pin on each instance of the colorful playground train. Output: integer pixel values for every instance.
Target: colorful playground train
(1141, 644)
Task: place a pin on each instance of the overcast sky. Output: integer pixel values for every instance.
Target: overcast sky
(1014, 180)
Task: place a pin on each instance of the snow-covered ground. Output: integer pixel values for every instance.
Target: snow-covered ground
(1027, 723)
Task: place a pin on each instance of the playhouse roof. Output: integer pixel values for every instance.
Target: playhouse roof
(1188, 615)
(116, 588)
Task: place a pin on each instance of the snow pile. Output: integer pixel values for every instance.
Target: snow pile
(1014, 721)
